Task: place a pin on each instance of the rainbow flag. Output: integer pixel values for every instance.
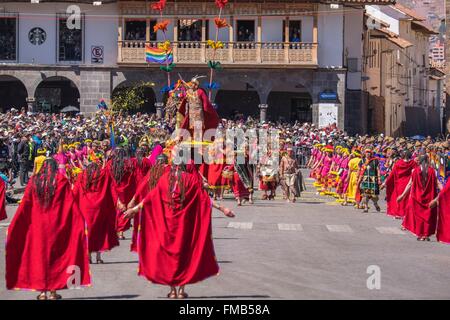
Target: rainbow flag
(156, 55)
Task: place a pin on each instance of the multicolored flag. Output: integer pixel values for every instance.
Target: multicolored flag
(157, 55)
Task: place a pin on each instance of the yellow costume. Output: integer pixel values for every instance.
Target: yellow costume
(38, 162)
(353, 166)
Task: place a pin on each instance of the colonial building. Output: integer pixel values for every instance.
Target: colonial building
(302, 60)
(447, 55)
(403, 93)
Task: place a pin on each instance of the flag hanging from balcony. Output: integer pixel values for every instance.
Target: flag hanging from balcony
(157, 55)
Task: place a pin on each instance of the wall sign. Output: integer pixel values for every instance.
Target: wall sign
(37, 36)
(328, 96)
(97, 54)
(328, 114)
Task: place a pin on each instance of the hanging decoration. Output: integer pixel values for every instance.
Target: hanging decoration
(215, 45)
(162, 54)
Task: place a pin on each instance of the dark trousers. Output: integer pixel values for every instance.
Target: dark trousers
(23, 172)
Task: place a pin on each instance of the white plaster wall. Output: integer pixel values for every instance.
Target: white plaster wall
(100, 30)
(353, 44)
(330, 34)
(272, 29)
(375, 12)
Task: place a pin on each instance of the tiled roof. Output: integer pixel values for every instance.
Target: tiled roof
(402, 43)
(409, 12)
(423, 27)
(394, 38)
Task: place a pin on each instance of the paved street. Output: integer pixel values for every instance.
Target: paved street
(313, 249)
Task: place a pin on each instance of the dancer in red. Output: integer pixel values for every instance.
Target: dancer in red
(122, 171)
(46, 243)
(443, 202)
(93, 195)
(175, 242)
(3, 215)
(396, 183)
(420, 219)
(147, 184)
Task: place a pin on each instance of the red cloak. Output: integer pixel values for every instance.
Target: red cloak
(419, 218)
(141, 192)
(395, 185)
(123, 190)
(215, 179)
(210, 116)
(3, 215)
(142, 169)
(97, 206)
(46, 248)
(175, 243)
(238, 187)
(443, 227)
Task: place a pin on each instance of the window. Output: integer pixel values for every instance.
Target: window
(352, 64)
(191, 30)
(70, 41)
(245, 30)
(295, 31)
(8, 40)
(136, 30)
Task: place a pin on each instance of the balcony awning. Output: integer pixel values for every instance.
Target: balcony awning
(422, 27)
(402, 43)
(394, 38)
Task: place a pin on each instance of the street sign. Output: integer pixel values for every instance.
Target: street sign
(97, 54)
(328, 96)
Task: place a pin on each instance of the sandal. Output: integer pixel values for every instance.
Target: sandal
(182, 295)
(377, 207)
(42, 296)
(172, 295)
(100, 261)
(54, 296)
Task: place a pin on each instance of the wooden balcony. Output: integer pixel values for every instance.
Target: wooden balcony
(262, 54)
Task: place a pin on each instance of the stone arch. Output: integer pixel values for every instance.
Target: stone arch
(237, 97)
(13, 92)
(56, 92)
(290, 102)
(46, 75)
(149, 94)
(132, 77)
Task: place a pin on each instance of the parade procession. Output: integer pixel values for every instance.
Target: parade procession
(221, 149)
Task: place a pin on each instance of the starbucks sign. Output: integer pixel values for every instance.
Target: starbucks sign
(37, 36)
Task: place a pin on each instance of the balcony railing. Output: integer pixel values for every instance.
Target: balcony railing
(245, 53)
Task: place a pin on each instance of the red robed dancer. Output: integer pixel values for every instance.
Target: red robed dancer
(46, 242)
(443, 202)
(396, 183)
(175, 239)
(93, 194)
(196, 107)
(147, 184)
(420, 219)
(3, 215)
(122, 171)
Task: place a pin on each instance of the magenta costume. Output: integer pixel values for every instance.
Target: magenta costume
(344, 184)
(62, 160)
(326, 166)
(155, 153)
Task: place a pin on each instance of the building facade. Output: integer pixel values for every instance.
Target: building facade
(447, 56)
(403, 92)
(302, 60)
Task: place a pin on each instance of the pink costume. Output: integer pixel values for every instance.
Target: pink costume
(326, 166)
(62, 160)
(80, 155)
(344, 184)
